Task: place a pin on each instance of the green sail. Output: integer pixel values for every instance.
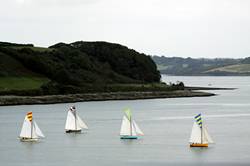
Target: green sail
(128, 113)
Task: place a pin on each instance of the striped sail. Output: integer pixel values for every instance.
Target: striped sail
(30, 129)
(198, 120)
(29, 116)
(199, 133)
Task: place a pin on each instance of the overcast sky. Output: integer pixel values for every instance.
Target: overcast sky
(186, 28)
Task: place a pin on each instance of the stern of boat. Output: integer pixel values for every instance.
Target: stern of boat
(73, 131)
(198, 145)
(128, 137)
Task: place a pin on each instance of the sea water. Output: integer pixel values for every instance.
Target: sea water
(167, 124)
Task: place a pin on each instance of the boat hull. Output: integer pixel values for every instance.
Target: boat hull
(73, 131)
(128, 137)
(198, 145)
(28, 139)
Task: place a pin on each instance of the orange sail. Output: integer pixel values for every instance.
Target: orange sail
(29, 116)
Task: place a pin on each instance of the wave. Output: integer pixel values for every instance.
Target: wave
(210, 104)
(206, 116)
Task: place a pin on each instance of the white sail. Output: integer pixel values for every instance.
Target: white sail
(34, 134)
(74, 122)
(206, 137)
(26, 129)
(195, 134)
(134, 133)
(137, 129)
(130, 129)
(125, 127)
(37, 130)
(71, 122)
(80, 123)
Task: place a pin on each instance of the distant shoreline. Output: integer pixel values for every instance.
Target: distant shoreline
(105, 96)
(69, 98)
(203, 75)
(207, 88)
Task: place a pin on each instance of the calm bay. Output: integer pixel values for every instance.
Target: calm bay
(166, 123)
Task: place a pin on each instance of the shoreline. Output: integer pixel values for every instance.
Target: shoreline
(207, 88)
(105, 96)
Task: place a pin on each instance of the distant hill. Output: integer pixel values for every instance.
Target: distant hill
(79, 66)
(203, 66)
(237, 69)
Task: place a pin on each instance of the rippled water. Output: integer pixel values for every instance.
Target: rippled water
(166, 123)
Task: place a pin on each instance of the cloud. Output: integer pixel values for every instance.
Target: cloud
(69, 3)
(172, 27)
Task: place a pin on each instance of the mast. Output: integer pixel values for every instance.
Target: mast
(129, 121)
(31, 121)
(130, 125)
(199, 123)
(31, 133)
(201, 136)
(75, 119)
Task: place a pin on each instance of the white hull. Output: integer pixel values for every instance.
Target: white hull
(29, 139)
(74, 123)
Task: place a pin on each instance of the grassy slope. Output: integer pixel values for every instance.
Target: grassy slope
(14, 76)
(190, 66)
(162, 67)
(239, 68)
(21, 83)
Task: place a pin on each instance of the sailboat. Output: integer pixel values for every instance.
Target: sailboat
(30, 131)
(129, 128)
(199, 135)
(73, 122)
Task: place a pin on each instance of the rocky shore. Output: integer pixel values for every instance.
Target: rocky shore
(51, 99)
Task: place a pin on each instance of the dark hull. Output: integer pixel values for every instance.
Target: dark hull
(73, 131)
(128, 137)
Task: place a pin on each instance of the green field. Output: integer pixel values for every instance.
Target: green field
(161, 67)
(21, 83)
(239, 68)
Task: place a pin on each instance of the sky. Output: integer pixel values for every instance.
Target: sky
(183, 28)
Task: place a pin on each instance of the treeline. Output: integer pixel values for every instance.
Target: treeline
(6, 44)
(85, 62)
(246, 60)
(53, 88)
(115, 62)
